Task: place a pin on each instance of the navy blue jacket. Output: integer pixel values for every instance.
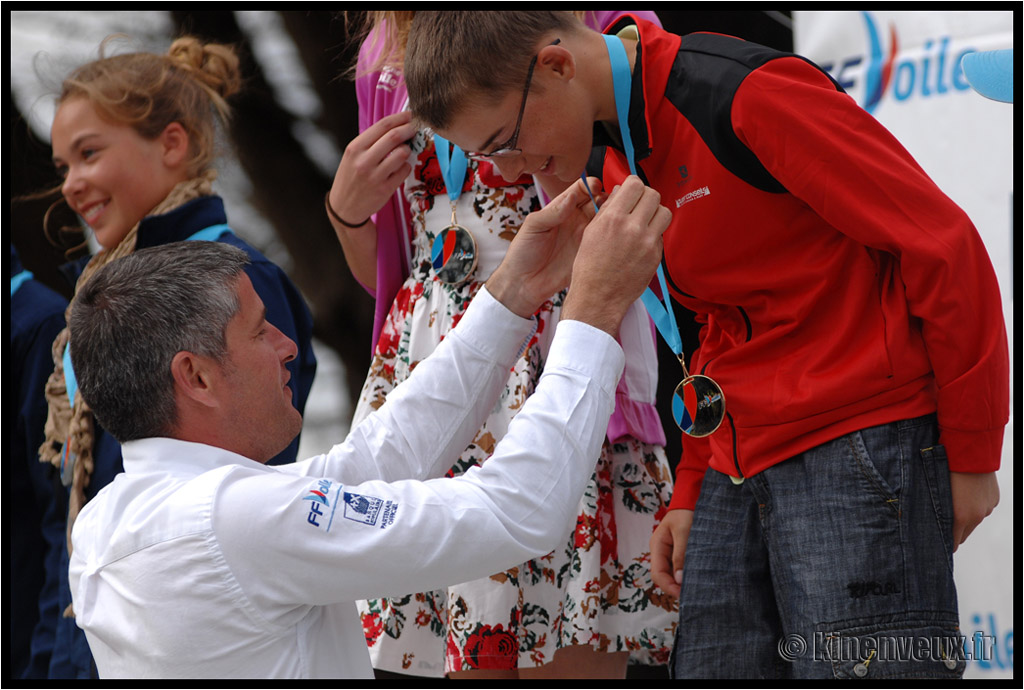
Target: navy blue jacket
(36, 509)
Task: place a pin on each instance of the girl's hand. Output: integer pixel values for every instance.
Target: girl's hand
(374, 165)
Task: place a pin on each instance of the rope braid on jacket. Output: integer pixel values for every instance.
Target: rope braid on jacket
(71, 422)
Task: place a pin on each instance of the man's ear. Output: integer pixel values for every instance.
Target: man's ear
(176, 144)
(193, 378)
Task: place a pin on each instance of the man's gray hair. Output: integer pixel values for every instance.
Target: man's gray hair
(130, 320)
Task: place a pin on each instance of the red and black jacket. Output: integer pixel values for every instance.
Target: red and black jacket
(835, 285)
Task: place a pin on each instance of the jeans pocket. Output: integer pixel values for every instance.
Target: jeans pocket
(927, 647)
(935, 468)
(879, 466)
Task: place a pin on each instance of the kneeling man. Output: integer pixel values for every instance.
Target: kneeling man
(201, 561)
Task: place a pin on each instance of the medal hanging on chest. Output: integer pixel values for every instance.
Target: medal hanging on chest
(698, 404)
(453, 254)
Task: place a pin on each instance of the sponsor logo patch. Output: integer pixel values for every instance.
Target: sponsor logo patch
(361, 508)
(321, 504)
(324, 498)
(369, 510)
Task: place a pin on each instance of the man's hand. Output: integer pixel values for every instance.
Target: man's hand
(668, 550)
(540, 258)
(618, 255)
(974, 498)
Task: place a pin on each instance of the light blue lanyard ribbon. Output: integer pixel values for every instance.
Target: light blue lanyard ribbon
(660, 312)
(70, 382)
(453, 164)
(67, 458)
(622, 80)
(210, 234)
(19, 280)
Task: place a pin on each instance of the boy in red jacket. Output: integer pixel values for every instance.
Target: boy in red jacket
(849, 315)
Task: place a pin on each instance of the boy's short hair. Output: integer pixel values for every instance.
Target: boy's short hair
(455, 58)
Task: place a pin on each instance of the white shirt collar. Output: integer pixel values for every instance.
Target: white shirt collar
(173, 456)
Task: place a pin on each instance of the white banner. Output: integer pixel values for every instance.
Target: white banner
(904, 68)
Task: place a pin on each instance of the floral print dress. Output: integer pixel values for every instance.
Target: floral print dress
(595, 590)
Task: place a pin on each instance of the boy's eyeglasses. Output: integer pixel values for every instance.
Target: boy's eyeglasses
(508, 149)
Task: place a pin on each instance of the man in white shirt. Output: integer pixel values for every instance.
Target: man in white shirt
(201, 561)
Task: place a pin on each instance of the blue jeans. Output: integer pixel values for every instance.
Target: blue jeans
(835, 563)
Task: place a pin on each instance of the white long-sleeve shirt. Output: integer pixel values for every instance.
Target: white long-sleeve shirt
(198, 562)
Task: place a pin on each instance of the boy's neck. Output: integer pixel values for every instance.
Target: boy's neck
(603, 84)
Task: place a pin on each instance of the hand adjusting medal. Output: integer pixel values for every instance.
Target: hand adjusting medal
(698, 404)
(453, 254)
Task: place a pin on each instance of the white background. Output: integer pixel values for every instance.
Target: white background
(966, 143)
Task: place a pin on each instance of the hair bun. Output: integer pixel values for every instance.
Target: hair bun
(213, 64)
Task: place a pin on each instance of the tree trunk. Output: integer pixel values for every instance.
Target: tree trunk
(288, 188)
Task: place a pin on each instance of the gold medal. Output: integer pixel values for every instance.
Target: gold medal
(698, 404)
(454, 254)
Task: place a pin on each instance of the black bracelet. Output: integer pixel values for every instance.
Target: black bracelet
(335, 216)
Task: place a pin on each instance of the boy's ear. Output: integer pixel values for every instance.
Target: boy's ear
(175, 141)
(558, 60)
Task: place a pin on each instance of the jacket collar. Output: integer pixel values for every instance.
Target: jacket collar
(655, 52)
(181, 223)
(174, 226)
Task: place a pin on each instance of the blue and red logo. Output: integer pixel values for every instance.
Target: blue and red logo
(319, 504)
(892, 71)
(318, 496)
(444, 247)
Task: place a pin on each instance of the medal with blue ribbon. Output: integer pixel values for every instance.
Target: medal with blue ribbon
(453, 254)
(698, 404)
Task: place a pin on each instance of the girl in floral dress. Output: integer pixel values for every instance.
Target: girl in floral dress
(592, 602)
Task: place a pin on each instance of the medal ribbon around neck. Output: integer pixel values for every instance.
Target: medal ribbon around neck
(453, 254)
(698, 404)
